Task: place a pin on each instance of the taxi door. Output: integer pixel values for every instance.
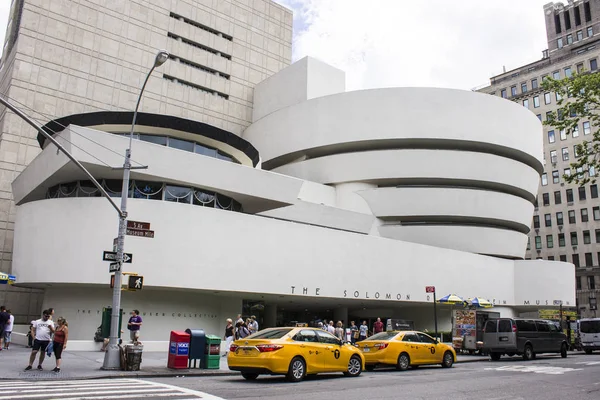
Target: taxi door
(310, 348)
(417, 351)
(430, 347)
(334, 359)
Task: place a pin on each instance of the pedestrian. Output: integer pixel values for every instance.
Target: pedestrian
(61, 336)
(320, 325)
(30, 335)
(325, 325)
(228, 336)
(4, 318)
(134, 325)
(331, 328)
(42, 332)
(8, 328)
(354, 331)
(339, 331)
(253, 325)
(239, 319)
(378, 326)
(241, 330)
(51, 311)
(362, 331)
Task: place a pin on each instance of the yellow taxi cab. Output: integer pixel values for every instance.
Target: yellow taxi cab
(294, 352)
(405, 349)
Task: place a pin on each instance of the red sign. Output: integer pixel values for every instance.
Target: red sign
(138, 225)
(429, 289)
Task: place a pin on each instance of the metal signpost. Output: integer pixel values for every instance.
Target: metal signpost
(431, 289)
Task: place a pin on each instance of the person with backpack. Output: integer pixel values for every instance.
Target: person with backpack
(241, 330)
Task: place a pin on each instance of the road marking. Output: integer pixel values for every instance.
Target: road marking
(97, 389)
(534, 369)
(589, 363)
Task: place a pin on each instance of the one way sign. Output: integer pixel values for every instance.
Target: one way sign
(112, 256)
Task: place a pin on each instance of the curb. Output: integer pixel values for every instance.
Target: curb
(133, 375)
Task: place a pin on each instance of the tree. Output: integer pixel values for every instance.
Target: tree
(578, 98)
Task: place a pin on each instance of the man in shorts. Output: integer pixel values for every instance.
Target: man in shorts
(134, 325)
(8, 328)
(42, 332)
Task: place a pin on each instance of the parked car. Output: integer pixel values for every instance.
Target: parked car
(589, 334)
(525, 337)
(294, 352)
(405, 349)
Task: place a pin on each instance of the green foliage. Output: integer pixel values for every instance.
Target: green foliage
(579, 102)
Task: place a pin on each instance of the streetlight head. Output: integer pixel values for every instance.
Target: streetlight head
(161, 58)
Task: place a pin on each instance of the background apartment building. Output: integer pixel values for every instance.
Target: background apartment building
(65, 57)
(566, 222)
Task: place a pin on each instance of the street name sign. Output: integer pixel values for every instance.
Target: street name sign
(112, 256)
(140, 233)
(138, 225)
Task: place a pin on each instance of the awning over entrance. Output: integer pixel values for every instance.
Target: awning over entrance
(7, 279)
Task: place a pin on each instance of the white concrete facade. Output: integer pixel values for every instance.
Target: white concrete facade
(335, 219)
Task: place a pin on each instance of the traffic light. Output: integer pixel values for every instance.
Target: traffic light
(112, 281)
(135, 282)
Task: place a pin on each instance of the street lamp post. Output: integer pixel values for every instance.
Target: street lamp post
(112, 358)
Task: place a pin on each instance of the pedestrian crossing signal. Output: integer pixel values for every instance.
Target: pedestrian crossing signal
(135, 282)
(112, 281)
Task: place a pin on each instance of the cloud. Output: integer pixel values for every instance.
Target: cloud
(457, 44)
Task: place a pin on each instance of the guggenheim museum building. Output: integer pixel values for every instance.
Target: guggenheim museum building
(331, 204)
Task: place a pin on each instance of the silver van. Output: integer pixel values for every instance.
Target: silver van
(526, 337)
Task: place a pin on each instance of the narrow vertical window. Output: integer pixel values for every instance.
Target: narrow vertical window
(567, 18)
(587, 11)
(557, 23)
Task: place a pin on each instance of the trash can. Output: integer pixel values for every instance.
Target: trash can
(106, 320)
(197, 348)
(213, 352)
(133, 357)
(179, 349)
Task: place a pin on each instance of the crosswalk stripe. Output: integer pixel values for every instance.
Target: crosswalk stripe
(91, 389)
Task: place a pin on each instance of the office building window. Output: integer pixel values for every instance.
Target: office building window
(592, 286)
(546, 199)
(569, 195)
(536, 101)
(559, 111)
(577, 15)
(596, 213)
(547, 220)
(563, 134)
(567, 171)
(549, 241)
(563, 257)
(567, 18)
(534, 84)
(578, 282)
(576, 259)
(550, 258)
(557, 197)
(581, 192)
(579, 68)
(559, 218)
(579, 172)
(589, 260)
(572, 217)
(597, 235)
(586, 128)
(528, 243)
(544, 179)
(559, 44)
(593, 64)
(556, 75)
(594, 191)
(513, 91)
(535, 203)
(587, 11)
(579, 35)
(568, 72)
(551, 137)
(547, 98)
(590, 31)
(592, 171)
(555, 177)
(553, 156)
(565, 153)
(503, 93)
(539, 116)
(526, 103)
(573, 238)
(584, 215)
(561, 240)
(569, 39)
(575, 132)
(586, 237)
(538, 242)
(536, 221)
(524, 87)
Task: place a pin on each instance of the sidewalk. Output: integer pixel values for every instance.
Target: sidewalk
(86, 365)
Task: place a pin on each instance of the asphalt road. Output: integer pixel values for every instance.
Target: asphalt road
(546, 378)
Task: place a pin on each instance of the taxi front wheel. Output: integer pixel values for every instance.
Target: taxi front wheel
(297, 370)
(354, 366)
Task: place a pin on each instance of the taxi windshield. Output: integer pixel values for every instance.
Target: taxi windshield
(270, 334)
(383, 336)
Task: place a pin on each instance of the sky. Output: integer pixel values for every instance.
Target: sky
(441, 43)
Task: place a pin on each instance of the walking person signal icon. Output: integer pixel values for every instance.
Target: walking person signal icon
(135, 282)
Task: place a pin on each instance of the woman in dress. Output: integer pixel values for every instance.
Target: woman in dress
(61, 336)
(228, 336)
(339, 331)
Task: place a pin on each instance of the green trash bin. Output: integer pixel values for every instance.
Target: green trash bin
(106, 321)
(213, 352)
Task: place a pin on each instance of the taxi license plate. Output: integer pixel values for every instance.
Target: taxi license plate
(246, 351)
(366, 349)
